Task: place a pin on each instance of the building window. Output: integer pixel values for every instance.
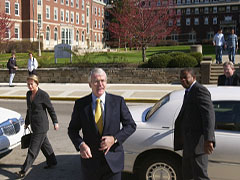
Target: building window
(188, 21)
(72, 17)
(159, 3)
(16, 9)
(228, 9)
(55, 1)
(95, 25)
(72, 3)
(188, 1)
(55, 14)
(221, 9)
(102, 24)
(188, 11)
(39, 2)
(179, 2)
(196, 10)
(62, 15)
(196, 1)
(196, 21)
(83, 19)
(178, 22)
(87, 28)
(214, 9)
(7, 33)
(67, 16)
(62, 1)
(47, 12)
(87, 11)
(67, 2)
(170, 22)
(206, 10)
(95, 11)
(99, 12)
(48, 34)
(77, 4)
(102, 12)
(206, 20)
(83, 36)
(55, 34)
(215, 20)
(77, 18)
(95, 37)
(192, 37)
(16, 31)
(178, 11)
(67, 35)
(206, 1)
(40, 19)
(234, 8)
(83, 4)
(99, 24)
(174, 37)
(210, 35)
(7, 7)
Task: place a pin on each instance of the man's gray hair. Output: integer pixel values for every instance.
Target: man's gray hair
(98, 71)
(228, 63)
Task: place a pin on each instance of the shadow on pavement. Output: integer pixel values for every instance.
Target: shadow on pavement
(68, 168)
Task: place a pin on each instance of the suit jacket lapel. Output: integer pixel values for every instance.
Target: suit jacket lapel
(107, 112)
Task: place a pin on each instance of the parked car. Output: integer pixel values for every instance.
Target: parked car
(149, 151)
(11, 130)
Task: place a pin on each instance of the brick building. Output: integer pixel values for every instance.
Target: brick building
(200, 19)
(79, 23)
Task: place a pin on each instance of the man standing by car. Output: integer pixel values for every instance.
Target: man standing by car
(106, 123)
(194, 128)
(230, 77)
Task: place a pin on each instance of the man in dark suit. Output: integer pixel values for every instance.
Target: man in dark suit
(99, 115)
(230, 77)
(12, 66)
(194, 128)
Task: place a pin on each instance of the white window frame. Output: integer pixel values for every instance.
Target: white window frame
(196, 10)
(62, 1)
(48, 32)
(39, 2)
(188, 11)
(16, 9)
(102, 12)
(83, 4)
(178, 22)
(7, 7)
(188, 21)
(39, 16)
(72, 3)
(55, 34)
(62, 15)
(228, 9)
(48, 12)
(196, 21)
(206, 10)
(67, 16)
(215, 10)
(206, 22)
(215, 20)
(16, 28)
(178, 11)
(72, 17)
(83, 19)
(77, 4)
(67, 2)
(77, 18)
(83, 36)
(55, 14)
(87, 28)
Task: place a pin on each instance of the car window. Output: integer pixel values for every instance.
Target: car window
(227, 115)
(159, 104)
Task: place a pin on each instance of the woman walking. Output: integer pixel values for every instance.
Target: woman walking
(38, 102)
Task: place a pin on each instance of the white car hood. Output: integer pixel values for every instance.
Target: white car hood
(6, 114)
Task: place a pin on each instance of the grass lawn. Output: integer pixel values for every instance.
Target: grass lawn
(121, 56)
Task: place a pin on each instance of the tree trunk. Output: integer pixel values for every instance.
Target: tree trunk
(143, 53)
(119, 43)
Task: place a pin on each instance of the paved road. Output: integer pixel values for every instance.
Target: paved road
(68, 159)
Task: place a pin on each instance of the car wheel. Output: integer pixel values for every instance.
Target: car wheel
(160, 168)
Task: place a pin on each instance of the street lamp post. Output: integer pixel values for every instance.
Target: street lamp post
(39, 44)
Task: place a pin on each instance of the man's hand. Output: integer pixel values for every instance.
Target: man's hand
(56, 126)
(85, 151)
(208, 147)
(106, 143)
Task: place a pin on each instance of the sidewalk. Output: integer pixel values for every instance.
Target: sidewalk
(131, 92)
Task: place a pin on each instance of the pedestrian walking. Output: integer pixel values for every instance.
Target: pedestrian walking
(32, 65)
(232, 46)
(38, 102)
(12, 67)
(219, 43)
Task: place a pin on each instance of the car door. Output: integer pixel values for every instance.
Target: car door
(224, 163)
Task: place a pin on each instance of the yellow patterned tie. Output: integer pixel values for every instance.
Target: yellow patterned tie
(98, 116)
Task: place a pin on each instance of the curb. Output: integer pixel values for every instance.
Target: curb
(130, 100)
